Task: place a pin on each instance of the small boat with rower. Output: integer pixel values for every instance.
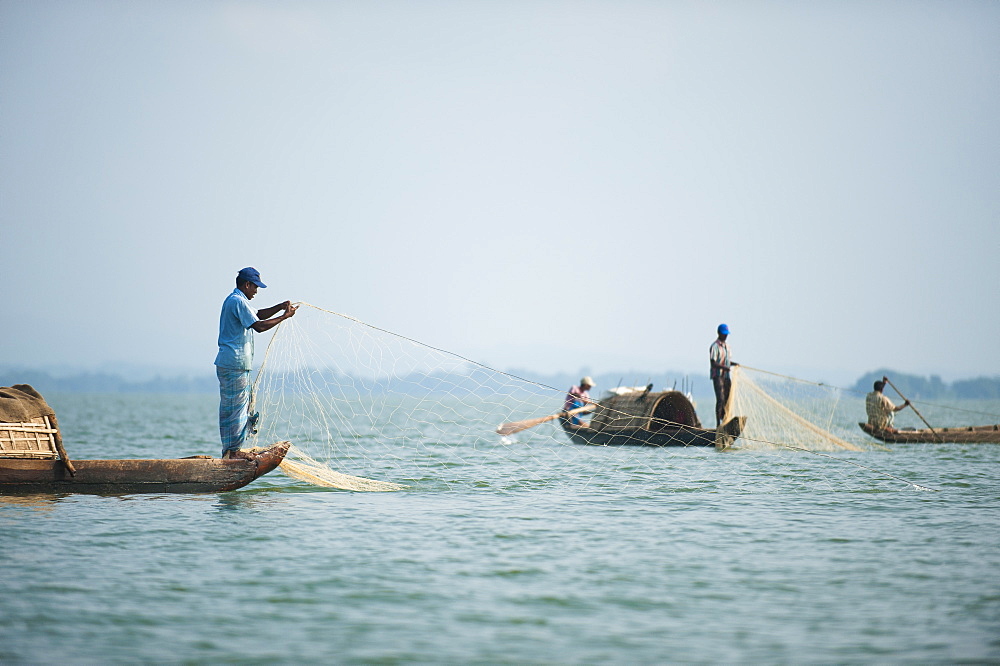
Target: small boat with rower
(987, 434)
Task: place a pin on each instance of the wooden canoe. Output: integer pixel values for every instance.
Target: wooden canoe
(650, 418)
(198, 474)
(668, 435)
(988, 434)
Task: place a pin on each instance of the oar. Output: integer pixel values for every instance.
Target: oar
(518, 426)
(915, 410)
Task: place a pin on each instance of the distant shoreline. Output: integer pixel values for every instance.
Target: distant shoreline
(914, 386)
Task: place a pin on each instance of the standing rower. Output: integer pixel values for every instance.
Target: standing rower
(718, 355)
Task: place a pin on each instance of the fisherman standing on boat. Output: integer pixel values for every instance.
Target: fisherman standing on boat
(718, 355)
(577, 397)
(880, 409)
(235, 358)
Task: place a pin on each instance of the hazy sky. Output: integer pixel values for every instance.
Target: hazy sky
(544, 185)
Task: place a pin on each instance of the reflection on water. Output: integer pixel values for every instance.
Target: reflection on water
(36, 501)
(239, 500)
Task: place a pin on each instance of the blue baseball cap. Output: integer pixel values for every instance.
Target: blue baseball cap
(723, 329)
(250, 274)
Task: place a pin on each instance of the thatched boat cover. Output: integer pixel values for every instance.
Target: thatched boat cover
(21, 403)
(645, 410)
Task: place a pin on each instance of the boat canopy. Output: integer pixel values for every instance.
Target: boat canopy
(645, 410)
(28, 427)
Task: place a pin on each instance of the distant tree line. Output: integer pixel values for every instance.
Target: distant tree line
(101, 382)
(916, 387)
(475, 380)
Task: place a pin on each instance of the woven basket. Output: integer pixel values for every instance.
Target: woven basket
(34, 439)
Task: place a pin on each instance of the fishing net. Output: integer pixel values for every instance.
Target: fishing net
(784, 413)
(371, 410)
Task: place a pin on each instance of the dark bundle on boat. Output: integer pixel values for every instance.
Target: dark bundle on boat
(33, 460)
(648, 418)
(645, 410)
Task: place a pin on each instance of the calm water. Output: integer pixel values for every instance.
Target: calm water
(545, 554)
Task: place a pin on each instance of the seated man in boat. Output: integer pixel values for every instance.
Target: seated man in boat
(880, 409)
(237, 325)
(577, 397)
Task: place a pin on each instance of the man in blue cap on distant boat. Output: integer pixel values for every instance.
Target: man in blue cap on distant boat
(718, 355)
(235, 359)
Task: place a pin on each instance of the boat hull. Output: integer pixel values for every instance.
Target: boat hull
(183, 475)
(989, 434)
(668, 436)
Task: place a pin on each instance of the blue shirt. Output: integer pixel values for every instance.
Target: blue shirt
(235, 335)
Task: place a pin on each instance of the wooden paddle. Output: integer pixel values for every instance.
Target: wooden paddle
(915, 410)
(518, 426)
